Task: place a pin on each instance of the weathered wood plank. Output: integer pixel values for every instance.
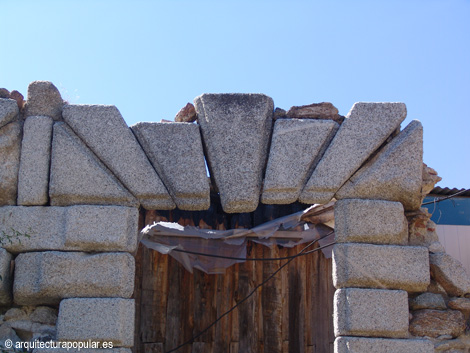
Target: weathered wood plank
(272, 303)
(153, 348)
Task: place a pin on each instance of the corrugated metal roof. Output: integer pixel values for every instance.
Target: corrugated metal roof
(448, 191)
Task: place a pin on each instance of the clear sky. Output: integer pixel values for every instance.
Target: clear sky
(149, 58)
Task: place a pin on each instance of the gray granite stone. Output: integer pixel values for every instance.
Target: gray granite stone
(296, 147)
(44, 315)
(370, 221)
(428, 301)
(5, 279)
(105, 132)
(33, 177)
(371, 313)
(44, 99)
(10, 150)
(175, 151)
(8, 111)
(382, 345)
(365, 128)
(96, 319)
(75, 228)
(79, 177)
(48, 277)
(450, 274)
(236, 129)
(394, 174)
(381, 266)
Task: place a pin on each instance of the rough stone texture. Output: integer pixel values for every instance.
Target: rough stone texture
(236, 129)
(175, 151)
(289, 166)
(44, 99)
(33, 177)
(428, 301)
(104, 130)
(430, 179)
(370, 221)
(381, 266)
(18, 97)
(6, 332)
(394, 174)
(82, 228)
(8, 111)
(10, 149)
(187, 114)
(435, 323)
(4, 93)
(97, 320)
(422, 231)
(450, 274)
(44, 315)
(279, 113)
(79, 177)
(462, 304)
(365, 128)
(48, 277)
(5, 279)
(322, 110)
(382, 345)
(371, 313)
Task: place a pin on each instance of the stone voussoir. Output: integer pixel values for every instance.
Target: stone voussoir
(97, 319)
(79, 177)
(381, 266)
(33, 177)
(10, 151)
(75, 228)
(370, 221)
(48, 277)
(236, 129)
(8, 111)
(289, 166)
(371, 313)
(346, 344)
(394, 174)
(175, 151)
(365, 128)
(105, 132)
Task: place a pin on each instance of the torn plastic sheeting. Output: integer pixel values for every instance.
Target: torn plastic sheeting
(288, 231)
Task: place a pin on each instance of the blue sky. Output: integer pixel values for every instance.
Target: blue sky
(149, 58)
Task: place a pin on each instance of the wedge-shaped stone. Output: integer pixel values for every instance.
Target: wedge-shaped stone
(370, 221)
(175, 151)
(236, 129)
(48, 277)
(382, 345)
(5, 279)
(381, 266)
(78, 177)
(97, 319)
(8, 111)
(450, 274)
(296, 147)
(10, 149)
(365, 128)
(394, 174)
(104, 130)
(75, 228)
(371, 313)
(33, 177)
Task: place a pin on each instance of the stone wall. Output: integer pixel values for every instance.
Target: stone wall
(74, 176)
